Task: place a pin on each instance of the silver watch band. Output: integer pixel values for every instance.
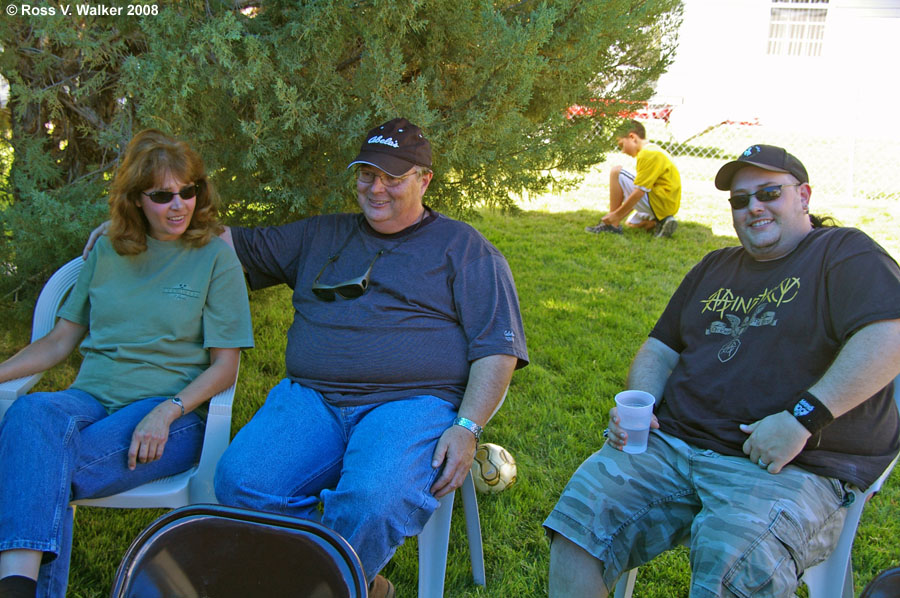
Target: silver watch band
(469, 425)
(178, 402)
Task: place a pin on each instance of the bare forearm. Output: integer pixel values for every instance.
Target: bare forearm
(44, 353)
(651, 367)
(488, 379)
(217, 377)
(26, 362)
(868, 361)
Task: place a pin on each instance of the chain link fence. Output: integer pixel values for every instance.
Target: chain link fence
(860, 167)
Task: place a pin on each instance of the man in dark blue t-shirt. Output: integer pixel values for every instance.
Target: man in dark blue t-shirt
(406, 332)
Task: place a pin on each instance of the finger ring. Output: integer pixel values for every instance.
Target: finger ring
(606, 432)
(760, 463)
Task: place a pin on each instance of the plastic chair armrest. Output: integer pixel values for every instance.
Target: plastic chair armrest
(215, 440)
(15, 388)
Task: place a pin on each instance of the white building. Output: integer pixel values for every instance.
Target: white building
(802, 64)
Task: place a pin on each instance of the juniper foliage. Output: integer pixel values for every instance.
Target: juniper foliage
(276, 95)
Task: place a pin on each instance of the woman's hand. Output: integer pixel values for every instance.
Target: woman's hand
(616, 436)
(150, 435)
(148, 441)
(95, 234)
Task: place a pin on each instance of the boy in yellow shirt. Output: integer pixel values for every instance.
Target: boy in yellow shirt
(654, 193)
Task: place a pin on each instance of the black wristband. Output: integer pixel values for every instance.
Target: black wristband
(811, 412)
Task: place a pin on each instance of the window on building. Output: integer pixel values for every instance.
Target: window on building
(797, 27)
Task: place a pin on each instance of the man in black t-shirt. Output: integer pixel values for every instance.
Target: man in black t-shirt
(772, 367)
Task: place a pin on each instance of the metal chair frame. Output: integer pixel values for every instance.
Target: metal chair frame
(158, 561)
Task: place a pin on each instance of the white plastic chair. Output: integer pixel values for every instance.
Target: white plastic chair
(837, 570)
(434, 539)
(192, 486)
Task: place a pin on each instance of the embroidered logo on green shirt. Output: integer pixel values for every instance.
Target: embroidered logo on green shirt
(181, 292)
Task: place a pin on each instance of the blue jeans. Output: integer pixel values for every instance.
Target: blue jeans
(369, 466)
(61, 446)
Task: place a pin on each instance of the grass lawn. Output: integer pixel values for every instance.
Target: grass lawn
(588, 303)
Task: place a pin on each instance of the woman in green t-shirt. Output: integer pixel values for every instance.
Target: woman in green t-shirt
(160, 311)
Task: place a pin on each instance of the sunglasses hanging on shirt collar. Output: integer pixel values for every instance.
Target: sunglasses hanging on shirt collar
(349, 289)
(355, 287)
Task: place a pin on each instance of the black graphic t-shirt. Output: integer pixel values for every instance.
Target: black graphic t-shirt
(753, 335)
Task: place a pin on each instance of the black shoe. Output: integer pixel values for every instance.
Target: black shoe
(604, 228)
(886, 585)
(18, 586)
(665, 227)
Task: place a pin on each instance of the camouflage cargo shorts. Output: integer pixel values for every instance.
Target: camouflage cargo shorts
(751, 533)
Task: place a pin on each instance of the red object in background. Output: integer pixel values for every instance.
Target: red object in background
(647, 111)
(640, 110)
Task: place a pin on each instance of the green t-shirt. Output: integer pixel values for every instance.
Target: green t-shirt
(656, 174)
(151, 317)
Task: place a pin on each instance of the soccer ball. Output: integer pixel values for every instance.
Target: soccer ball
(493, 469)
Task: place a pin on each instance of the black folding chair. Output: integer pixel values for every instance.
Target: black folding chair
(213, 551)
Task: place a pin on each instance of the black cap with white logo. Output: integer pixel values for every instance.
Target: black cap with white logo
(395, 147)
(767, 157)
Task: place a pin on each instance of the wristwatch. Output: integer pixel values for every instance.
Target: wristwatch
(469, 425)
(178, 402)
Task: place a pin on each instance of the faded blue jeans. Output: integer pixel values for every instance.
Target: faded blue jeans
(369, 466)
(61, 446)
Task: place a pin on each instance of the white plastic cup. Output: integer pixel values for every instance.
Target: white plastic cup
(635, 409)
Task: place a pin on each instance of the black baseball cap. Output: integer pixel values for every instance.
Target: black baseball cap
(767, 157)
(395, 147)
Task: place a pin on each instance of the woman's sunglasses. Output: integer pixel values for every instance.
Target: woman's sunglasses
(164, 197)
(770, 193)
(349, 289)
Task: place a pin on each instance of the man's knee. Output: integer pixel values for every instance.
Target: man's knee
(226, 482)
(574, 571)
(761, 546)
(402, 510)
(766, 561)
(239, 479)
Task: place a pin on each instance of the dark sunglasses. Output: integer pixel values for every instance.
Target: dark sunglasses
(163, 197)
(770, 193)
(349, 289)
